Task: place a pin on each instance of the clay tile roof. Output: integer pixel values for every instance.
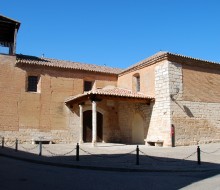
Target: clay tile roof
(163, 55)
(152, 59)
(32, 60)
(119, 92)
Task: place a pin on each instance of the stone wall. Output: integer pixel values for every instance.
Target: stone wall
(196, 107)
(159, 129)
(127, 112)
(182, 99)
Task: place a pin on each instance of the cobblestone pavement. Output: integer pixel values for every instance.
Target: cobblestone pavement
(120, 157)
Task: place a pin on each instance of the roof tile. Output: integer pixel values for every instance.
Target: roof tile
(120, 92)
(32, 60)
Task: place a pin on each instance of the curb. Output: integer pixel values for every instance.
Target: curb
(100, 168)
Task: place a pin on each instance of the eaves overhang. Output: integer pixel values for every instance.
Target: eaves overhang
(116, 94)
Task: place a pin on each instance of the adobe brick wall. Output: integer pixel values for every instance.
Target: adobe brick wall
(27, 115)
(147, 78)
(201, 84)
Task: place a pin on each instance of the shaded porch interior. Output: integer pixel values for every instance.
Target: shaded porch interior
(112, 118)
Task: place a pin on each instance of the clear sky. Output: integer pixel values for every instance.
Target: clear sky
(116, 33)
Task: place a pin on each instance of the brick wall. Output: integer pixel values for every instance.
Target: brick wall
(27, 115)
(201, 84)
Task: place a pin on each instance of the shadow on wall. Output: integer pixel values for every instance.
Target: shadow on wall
(188, 111)
(185, 109)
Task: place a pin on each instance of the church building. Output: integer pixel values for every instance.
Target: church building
(165, 100)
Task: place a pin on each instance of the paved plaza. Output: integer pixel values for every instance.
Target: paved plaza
(119, 157)
(109, 166)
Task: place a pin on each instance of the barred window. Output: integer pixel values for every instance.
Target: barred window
(32, 83)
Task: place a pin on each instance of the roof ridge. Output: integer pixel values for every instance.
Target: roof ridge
(43, 61)
(160, 56)
(189, 57)
(55, 59)
(152, 57)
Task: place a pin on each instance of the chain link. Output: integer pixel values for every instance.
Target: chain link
(55, 154)
(29, 149)
(160, 160)
(210, 152)
(9, 145)
(108, 157)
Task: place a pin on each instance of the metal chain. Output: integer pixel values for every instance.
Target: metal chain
(29, 149)
(55, 154)
(9, 145)
(104, 157)
(160, 160)
(210, 152)
(189, 156)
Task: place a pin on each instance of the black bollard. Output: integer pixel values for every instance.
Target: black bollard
(40, 148)
(198, 155)
(16, 145)
(137, 155)
(173, 135)
(77, 152)
(3, 142)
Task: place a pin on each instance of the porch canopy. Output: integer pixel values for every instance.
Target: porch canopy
(110, 93)
(107, 93)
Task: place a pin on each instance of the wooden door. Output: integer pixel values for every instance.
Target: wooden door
(87, 126)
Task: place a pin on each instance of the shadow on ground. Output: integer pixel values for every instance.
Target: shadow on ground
(125, 162)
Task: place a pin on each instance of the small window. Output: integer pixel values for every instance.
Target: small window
(136, 86)
(138, 83)
(32, 83)
(87, 85)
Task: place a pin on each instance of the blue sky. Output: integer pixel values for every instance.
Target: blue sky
(116, 33)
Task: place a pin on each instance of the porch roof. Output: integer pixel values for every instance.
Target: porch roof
(112, 94)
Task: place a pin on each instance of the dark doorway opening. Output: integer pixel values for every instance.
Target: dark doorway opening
(87, 126)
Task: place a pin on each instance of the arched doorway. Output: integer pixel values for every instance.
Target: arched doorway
(137, 130)
(87, 126)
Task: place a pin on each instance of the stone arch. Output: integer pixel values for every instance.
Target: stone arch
(137, 129)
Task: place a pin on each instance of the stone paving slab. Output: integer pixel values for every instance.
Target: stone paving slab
(120, 157)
